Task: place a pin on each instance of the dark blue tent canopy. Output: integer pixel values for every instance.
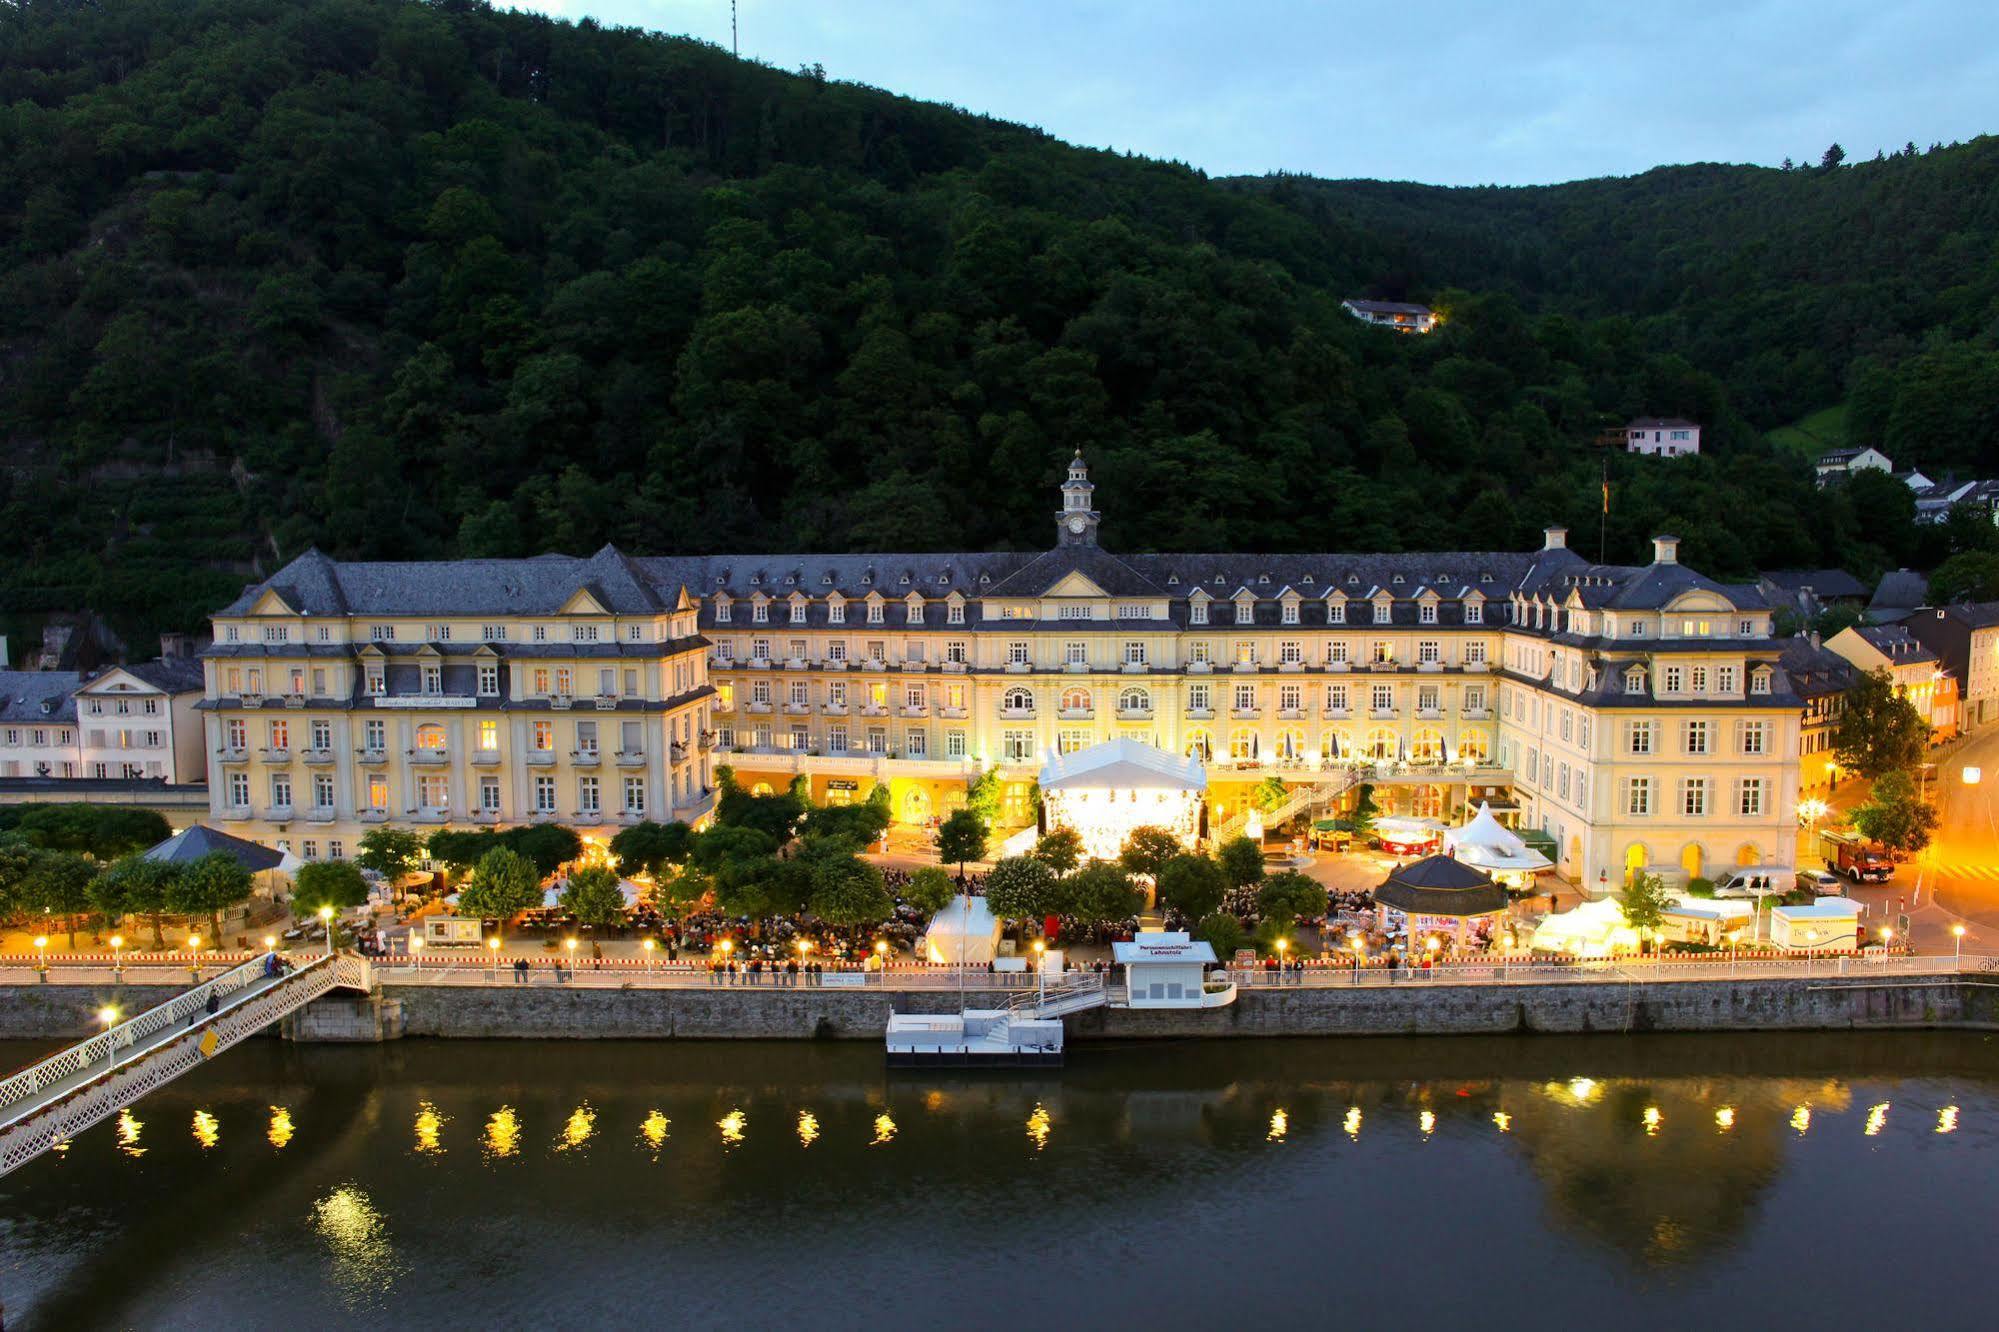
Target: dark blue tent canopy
(193, 843)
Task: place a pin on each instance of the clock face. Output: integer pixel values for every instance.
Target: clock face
(1077, 523)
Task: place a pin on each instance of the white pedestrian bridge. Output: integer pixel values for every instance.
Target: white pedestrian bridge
(49, 1103)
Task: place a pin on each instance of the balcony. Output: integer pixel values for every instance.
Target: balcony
(796, 663)
(916, 710)
(275, 755)
(914, 664)
(833, 709)
(758, 663)
(1245, 668)
(1339, 667)
(295, 700)
(374, 816)
(797, 709)
(605, 702)
(1016, 714)
(1246, 714)
(485, 758)
(1388, 665)
(1481, 667)
(1291, 714)
(277, 814)
(761, 709)
(1075, 714)
(834, 664)
(588, 815)
(1200, 714)
(429, 757)
(874, 709)
(1430, 667)
(1292, 666)
(954, 668)
(1075, 668)
(1200, 667)
(631, 816)
(540, 758)
(1134, 714)
(874, 664)
(636, 758)
(1019, 667)
(1477, 714)
(485, 816)
(1381, 714)
(1429, 714)
(584, 758)
(319, 814)
(232, 754)
(1336, 714)
(234, 814)
(371, 756)
(318, 757)
(432, 814)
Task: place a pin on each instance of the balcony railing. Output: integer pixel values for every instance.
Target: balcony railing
(1200, 714)
(485, 758)
(540, 758)
(235, 813)
(319, 756)
(1336, 714)
(429, 755)
(1134, 714)
(277, 813)
(319, 814)
(1016, 714)
(372, 756)
(1075, 714)
(635, 758)
(1245, 714)
(275, 754)
(232, 754)
(584, 758)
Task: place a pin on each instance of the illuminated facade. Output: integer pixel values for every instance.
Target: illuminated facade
(1639, 715)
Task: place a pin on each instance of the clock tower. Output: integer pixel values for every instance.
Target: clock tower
(1076, 524)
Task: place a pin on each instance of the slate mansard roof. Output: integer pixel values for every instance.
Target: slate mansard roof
(39, 698)
(314, 584)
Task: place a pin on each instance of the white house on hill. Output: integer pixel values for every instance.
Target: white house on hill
(1662, 437)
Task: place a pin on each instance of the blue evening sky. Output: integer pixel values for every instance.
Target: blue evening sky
(1449, 92)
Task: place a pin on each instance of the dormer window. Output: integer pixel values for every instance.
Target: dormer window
(1353, 578)
(1759, 680)
(1426, 612)
(798, 611)
(1474, 612)
(1396, 579)
(1173, 580)
(1263, 578)
(1382, 612)
(1336, 612)
(916, 612)
(1245, 611)
(875, 612)
(1634, 680)
(1290, 611)
(759, 612)
(1197, 612)
(723, 612)
(904, 580)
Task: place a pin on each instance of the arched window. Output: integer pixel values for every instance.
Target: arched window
(1427, 746)
(1242, 744)
(1472, 747)
(1290, 743)
(1076, 700)
(1381, 743)
(430, 736)
(1018, 700)
(1201, 745)
(1134, 700)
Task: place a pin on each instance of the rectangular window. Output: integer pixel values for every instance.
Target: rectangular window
(635, 795)
(1337, 652)
(281, 735)
(1017, 746)
(1638, 737)
(489, 680)
(1197, 612)
(1755, 737)
(874, 612)
(489, 794)
(954, 744)
(1245, 611)
(322, 790)
(1638, 796)
(1693, 797)
(433, 680)
(915, 744)
(1245, 697)
(1697, 737)
(1426, 612)
(239, 790)
(1429, 650)
(760, 613)
(954, 614)
(1291, 652)
(836, 740)
(1016, 654)
(1383, 698)
(1288, 612)
(1749, 798)
(322, 734)
(544, 737)
(544, 794)
(1697, 679)
(281, 789)
(586, 795)
(957, 653)
(375, 735)
(1075, 654)
(1674, 679)
(489, 736)
(1336, 698)
(836, 612)
(1382, 612)
(1336, 612)
(1474, 612)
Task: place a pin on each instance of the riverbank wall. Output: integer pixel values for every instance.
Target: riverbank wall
(783, 1013)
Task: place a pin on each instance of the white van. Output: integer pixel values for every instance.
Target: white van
(1755, 881)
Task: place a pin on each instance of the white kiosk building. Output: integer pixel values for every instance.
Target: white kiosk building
(1169, 969)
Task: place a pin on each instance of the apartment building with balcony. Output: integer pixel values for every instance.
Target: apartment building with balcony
(143, 721)
(1442, 678)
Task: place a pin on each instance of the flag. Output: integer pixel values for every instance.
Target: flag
(1606, 494)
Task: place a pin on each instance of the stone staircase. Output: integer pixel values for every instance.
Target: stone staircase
(1300, 798)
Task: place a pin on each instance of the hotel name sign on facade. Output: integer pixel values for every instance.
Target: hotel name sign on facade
(1638, 714)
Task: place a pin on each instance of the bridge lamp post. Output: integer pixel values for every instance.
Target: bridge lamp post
(1957, 933)
(42, 958)
(326, 920)
(109, 1017)
(194, 947)
(569, 946)
(881, 959)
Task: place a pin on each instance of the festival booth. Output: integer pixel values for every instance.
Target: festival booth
(1103, 792)
(1403, 836)
(1596, 928)
(1439, 895)
(963, 933)
(1165, 969)
(1709, 920)
(1829, 924)
(1486, 844)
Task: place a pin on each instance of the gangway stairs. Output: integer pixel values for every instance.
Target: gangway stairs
(49, 1103)
(1024, 1032)
(1300, 798)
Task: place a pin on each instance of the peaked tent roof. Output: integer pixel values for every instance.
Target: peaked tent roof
(1121, 764)
(191, 844)
(1440, 886)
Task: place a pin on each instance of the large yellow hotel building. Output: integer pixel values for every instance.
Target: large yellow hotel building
(1639, 715)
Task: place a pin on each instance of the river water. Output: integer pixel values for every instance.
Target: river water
(1660, 1181)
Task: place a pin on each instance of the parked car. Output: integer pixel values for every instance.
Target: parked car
(1750, 881)
(1819, 883)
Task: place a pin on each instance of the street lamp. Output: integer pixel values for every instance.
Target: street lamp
(1282, 946)
(416, 950)
(326, 919)
(194, 946)
(1957, 932)
(42, 958)
(493, 947)
(109, 1017)
(649, 943)
(270, 943)
(118, 957)
(569, 946)
(1971, 775)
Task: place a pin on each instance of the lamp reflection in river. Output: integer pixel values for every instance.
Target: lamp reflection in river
(428, 1121)
(1801, 1120)
(1652, 1119)
(1040, 1125)
(1352, 1122)
(280, 1131)
(1280, 1124)
(578, 1129)
(732, 1125)
(1724, 1119)
(129, 1126)
(1427, 1121)
(1947, 1119)
(884, 1130)
(1502, 1121)
(808, 1128)
(653, 1131)
(1877, 1119)
(503, 1134)
(357, 1238)
(207, 1131)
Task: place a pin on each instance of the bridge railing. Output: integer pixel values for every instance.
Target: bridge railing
(97, 1049)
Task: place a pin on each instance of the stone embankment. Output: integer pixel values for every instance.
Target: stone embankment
(65, 1012)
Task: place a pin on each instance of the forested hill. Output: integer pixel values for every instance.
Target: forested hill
(1796, 284)
(407, 279)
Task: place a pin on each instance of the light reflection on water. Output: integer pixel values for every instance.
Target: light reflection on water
(1627, 1184)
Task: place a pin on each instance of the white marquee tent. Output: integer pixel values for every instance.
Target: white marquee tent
(963, 932)
(1105, 791)
(1594, 929)
(1488, 845)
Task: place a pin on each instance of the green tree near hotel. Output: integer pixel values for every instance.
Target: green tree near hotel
(1060, 849)
(1146, 849)
(58, 884)
(1290, 897)
(593, 896)
(1241, 861)
(329, 883)
(136, 886)
(1192, 885)
(961, 838)
(930, 888)
(1880, 731)
(1101, 893)
(209, 887)
(849, 892)
(390, 852)
(1897, 816)
(649, 848)
(1020, 888)
(504, 883)
(1644, 903)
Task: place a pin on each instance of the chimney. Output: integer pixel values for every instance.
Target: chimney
(1815, 640)
(1665, 550)
(1554, 538)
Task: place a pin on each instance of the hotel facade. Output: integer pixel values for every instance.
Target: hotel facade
(1638, 715)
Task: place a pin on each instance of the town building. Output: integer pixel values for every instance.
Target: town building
(1820, 678)
(1897, 596)
(38, 724)
(1808, 593)
(141, 721)
(1917, 671)
(1838, 464)
(1662, 437)
(1636, 715)
(1965, 639)
(1398, 315)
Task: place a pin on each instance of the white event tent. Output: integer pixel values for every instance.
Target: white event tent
(1488, 845)
(964, 932)
(1594, 929)
(1105, 791)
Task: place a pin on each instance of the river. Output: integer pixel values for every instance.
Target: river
(1654, 1181)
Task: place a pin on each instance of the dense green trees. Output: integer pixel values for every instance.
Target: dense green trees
(504, 883)
(332, 883)
(1060, 849)
(961, 838)
(649, 848)
(390, 852)
(209, 887)
(1880, 730)
(424, 279)
(1021, 888)
(1896, 814)
(592, 896)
